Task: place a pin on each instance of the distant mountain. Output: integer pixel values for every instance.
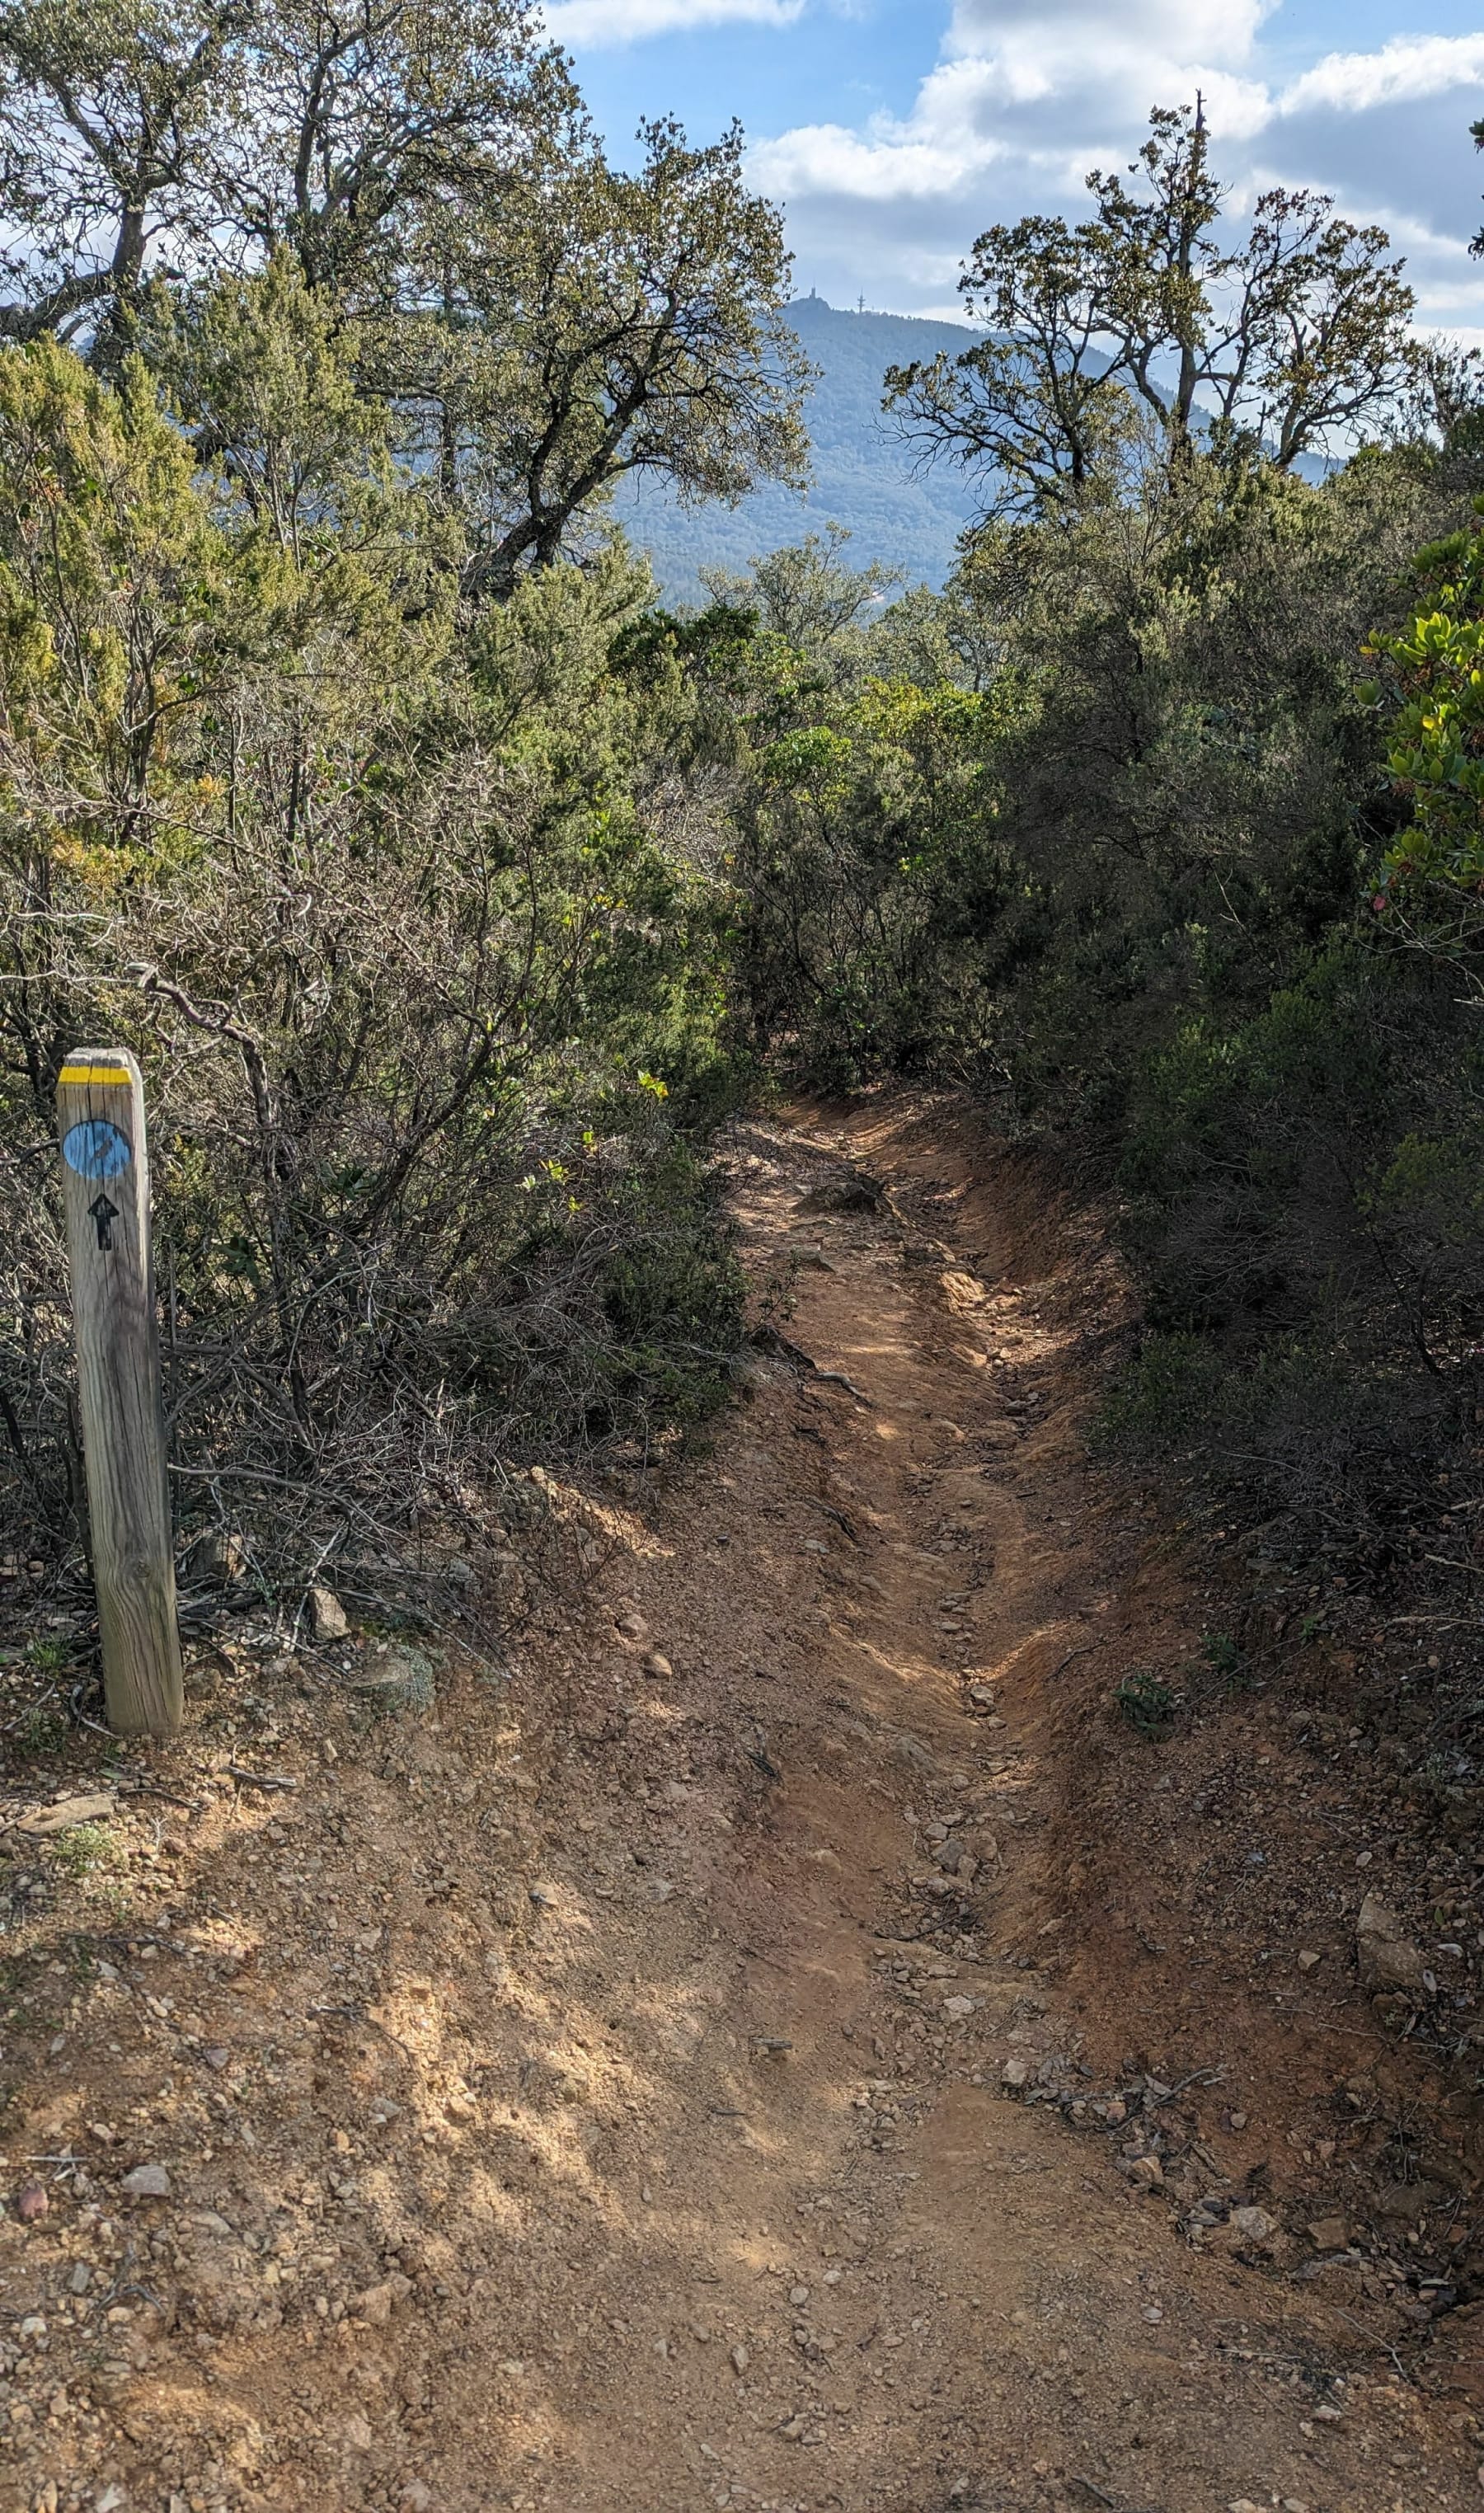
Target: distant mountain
(861, 478)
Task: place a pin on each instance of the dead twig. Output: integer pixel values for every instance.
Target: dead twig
(151, 1788)
(1085, 1649)
(838, 1515)
(769, 1339)
(840, 1378)
(1377, 2342)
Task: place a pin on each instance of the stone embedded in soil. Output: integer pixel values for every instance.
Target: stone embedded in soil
(146, 2182)
(632, 1626)
(1145, 2172)
(1252, 2225)
(1388, 1959)
(1308, 1959)
(328, 1620)
(378, 2302)
(1403, 2203)
(218, 1558)
(67, 1813)
(1015, 2073)
(1329, 2234)
(658, 1664)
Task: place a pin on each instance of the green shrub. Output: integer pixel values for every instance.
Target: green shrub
(1226, 1660)
(1161, 1397)
(1147, 1702)
(86, 1848)
(426, 1003)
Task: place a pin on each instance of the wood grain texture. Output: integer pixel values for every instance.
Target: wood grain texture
(105, 1184)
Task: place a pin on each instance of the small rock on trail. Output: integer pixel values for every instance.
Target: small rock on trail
(1388, 1959)
(328, 1620)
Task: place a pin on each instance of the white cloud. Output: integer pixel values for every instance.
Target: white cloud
(1054, 86)
(1403, 71)
(1050, 43)
(1027, 94)
(598, 23)
(825, 157)
(1212, 30)
(939, 150)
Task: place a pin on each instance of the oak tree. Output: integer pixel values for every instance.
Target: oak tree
(1148, 317)
(174, 138)
(595, 324)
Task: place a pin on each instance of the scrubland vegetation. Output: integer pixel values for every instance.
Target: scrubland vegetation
(450, 887)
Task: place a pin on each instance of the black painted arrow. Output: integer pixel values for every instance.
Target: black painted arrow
(105, 1214)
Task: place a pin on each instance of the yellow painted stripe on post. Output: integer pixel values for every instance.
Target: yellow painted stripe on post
(112, 1074)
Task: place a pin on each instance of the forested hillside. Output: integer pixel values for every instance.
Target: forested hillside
(899, 515)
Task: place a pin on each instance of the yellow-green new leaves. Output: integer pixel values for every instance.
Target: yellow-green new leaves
(868, 863)
(813, 761)
(145, 602)
(1436, 748)
(264, 371)
(330, 539)
(111, 573)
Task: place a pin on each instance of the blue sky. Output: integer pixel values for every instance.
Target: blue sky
(894, 131)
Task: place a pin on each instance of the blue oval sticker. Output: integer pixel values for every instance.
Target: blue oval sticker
(94, 1149)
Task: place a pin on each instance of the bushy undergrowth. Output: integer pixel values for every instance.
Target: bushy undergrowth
(448, 889)
(427, 1003)
(1129, 892)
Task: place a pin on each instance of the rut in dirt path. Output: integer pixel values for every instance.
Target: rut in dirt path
(895, 2286)
(620, 2091)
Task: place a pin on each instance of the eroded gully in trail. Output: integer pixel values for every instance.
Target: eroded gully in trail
(620, 2094)
(867, 2275)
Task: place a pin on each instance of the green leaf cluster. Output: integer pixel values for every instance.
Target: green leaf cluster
(1434, 873)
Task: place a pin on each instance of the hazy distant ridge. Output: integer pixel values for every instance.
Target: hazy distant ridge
(862, 479)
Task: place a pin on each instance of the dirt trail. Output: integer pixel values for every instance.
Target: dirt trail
(607, 2092)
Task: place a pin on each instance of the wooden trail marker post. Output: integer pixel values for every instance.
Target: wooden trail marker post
(106, 1187)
